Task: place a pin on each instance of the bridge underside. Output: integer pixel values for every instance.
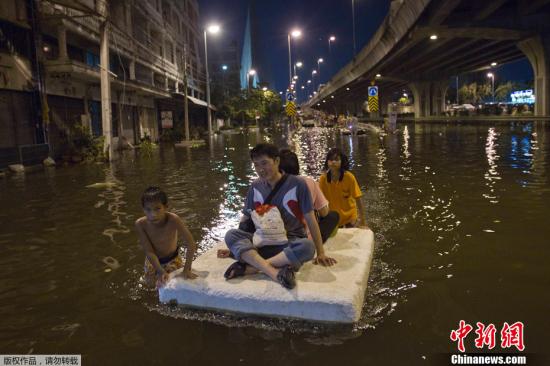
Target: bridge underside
(470, 36)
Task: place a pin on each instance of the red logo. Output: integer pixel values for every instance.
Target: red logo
(510, 335)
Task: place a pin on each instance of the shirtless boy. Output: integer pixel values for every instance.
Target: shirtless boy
(158, 233)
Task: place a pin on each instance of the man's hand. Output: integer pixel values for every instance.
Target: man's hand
(189, 275)
(323, 260)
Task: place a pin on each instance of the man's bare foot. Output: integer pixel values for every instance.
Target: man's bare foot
(224, 253)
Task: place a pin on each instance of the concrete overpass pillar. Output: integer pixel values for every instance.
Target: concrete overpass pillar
(419, 90)
(62, 42)
(437, 93)
(429, 97)
(537, 50)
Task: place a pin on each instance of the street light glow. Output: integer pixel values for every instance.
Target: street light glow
(213, 28)
(252, 72)
(490, 75)
(295, 77)
(493, 63)
(347, 88)
(264, 88)
(309, 81)
(433, 37)
(332, 38)
(299, 64)
(320, 60)
(314, 72)
(303, 87)
(224, 67)
(281, 93)
(296, 33)
(378, 75)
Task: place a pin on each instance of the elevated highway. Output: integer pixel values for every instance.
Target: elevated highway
(470, 36)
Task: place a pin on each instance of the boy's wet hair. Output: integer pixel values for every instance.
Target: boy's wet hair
(289, 162)
(154, 194)
(333, 153)
(268, 150)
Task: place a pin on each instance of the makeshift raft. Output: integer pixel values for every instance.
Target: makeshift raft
(327, 294)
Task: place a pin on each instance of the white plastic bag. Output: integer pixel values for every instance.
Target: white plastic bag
(270, 228)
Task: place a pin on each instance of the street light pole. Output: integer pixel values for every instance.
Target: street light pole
(492, 76)
(319, 61)
(209, 117)
(330, 39)
(252, 72)
(289, 62)
(353, 22)
(295, 33)
(214, 28)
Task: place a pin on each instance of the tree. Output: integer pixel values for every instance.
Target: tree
(474, 93)
(245, 105)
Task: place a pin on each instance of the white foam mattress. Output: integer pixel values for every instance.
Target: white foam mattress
(326, 294)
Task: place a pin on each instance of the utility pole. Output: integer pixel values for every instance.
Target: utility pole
(185, 102)
(102, 8)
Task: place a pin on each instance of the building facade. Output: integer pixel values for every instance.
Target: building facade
(50, 69)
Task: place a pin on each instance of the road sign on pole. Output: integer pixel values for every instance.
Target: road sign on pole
(290, 109)
(290, 97)
(373, 98)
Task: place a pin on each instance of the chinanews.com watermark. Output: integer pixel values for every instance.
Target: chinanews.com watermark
(509, 337)
(477, 359)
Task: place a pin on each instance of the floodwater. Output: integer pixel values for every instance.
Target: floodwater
(460, 214)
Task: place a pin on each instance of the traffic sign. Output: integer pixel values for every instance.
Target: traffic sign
(290, 109)
(373, 98)
(373, 91)
(289, 96)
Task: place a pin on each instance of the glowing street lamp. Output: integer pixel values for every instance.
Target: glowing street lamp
(297, 65)
(330, 39)
(251, 73)
(319, 62)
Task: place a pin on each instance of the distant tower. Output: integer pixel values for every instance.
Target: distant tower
(249, 60)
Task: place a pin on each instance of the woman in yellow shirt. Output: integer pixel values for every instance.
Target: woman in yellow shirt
(340, 187)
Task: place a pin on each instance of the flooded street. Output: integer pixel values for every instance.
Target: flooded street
(460, 215)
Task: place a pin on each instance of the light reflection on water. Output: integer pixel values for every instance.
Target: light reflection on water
(428, 193)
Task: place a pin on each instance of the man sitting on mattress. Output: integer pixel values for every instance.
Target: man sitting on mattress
(272, 237)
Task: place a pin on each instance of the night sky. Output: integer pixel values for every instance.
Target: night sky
(318, 20)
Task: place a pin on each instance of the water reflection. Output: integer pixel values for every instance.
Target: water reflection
(113, 196)
(491, 176)
(424, 202)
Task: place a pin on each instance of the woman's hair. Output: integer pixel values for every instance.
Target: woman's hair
(333, 153)
(154, 194)
(289, 162)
